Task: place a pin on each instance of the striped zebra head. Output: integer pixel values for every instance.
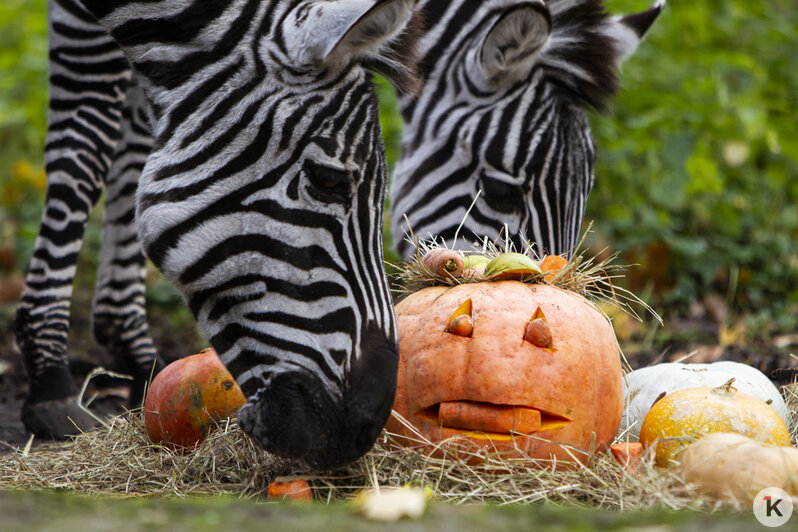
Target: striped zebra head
(262, 201)
(502, 114)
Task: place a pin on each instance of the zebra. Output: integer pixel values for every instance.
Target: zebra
(502, 118)
(239, 148)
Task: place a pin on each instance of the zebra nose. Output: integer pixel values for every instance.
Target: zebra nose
(297, 417)
(286, 418)
(372, 386)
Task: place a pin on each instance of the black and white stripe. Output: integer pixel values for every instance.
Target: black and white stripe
(90, 80)
(503, 111)
(261, 200)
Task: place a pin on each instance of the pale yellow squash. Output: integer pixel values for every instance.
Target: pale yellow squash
(733, 467)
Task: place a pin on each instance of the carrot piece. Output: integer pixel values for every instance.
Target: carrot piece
(489, 418)
(444, 262)
(293, 490)
(629, 455)
(551, 265)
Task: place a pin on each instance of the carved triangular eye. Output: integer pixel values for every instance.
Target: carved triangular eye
(538, 331)
(461, 322)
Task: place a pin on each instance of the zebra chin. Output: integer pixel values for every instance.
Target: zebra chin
(296, 417)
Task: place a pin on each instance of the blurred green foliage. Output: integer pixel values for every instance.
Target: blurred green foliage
(391, 124)
(23, 119)
(697, 176)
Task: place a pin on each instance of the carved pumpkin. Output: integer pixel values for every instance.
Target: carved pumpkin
(537, 366)
(188, 397)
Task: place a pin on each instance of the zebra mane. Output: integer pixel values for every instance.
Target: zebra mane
(398, 59)
(581, 55)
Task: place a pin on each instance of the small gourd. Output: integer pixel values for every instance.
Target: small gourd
(728, 466)
(686, 415)
(188, 398)
(643, 386)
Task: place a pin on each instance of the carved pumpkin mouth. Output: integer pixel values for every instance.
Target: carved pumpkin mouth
(491, 421)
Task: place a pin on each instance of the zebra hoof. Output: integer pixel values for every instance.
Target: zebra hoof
(57, 419)
(141, 381)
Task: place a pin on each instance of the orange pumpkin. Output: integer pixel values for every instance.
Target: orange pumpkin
(501, 387)
(188, 398)
(629, 455)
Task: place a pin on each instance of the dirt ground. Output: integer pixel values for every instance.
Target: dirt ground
(13, 386)
(108, 396)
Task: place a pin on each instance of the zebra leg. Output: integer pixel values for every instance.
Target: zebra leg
(88, 83)
(119, 319)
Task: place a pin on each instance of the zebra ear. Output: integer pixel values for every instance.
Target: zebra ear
(511, 43)
(328, 31)
(628, 31)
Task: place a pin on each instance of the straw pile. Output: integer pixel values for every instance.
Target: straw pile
(590, 276)
(120, 461)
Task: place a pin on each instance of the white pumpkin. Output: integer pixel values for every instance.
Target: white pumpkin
(643, 386)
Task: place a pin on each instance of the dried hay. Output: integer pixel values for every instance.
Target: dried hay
(790, 394)
(120, 461)
(589, 276)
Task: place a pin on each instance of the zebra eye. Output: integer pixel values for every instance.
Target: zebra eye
(327, 184)
(501, 196)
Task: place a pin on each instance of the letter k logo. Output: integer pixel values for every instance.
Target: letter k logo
(772, 506)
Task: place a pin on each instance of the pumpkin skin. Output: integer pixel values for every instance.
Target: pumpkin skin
(643, 386)
(695, 412)
(188, 397)
(290, 490)
(575, 384)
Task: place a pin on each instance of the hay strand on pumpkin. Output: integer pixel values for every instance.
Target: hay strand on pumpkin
(790, 394)
(591, 276)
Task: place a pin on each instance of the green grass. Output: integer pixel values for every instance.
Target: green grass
(63, 512)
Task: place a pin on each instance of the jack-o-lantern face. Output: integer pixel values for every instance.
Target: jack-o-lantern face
(508, 365)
